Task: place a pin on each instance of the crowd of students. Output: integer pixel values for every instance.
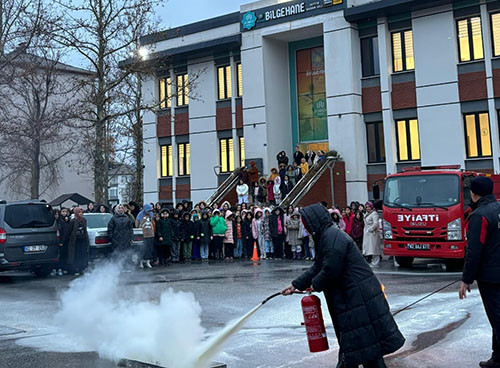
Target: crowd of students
(228, 232)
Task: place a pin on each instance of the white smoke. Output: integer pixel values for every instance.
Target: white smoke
(101, 314)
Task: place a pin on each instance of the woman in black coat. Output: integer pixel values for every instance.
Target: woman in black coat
(278, 233)
(365, 328)
(121, 230)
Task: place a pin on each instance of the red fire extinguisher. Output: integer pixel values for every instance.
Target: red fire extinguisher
(315, 326)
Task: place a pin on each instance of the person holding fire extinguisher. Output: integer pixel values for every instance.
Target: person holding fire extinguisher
(365, 328)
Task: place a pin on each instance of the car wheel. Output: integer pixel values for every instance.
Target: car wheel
(43, 271)
(405, 262)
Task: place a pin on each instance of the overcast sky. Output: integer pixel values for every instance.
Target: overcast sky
(175, 13)
(178, 12)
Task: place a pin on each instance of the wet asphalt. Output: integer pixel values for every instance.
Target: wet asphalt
(441, 331)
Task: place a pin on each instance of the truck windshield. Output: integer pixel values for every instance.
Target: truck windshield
(416, 191)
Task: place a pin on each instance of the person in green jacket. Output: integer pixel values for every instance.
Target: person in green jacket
(218, 231)
(164, 236)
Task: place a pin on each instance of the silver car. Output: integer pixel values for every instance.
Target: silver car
(100, 241)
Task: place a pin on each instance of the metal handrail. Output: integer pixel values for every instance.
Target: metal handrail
(309, 180)
(224, 188)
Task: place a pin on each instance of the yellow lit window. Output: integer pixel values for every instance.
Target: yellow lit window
(410, 60)
(408, 140)
(165, 93)
(224, 82)
(470, 39)
(182, 90)
(166, 161)
(402, 141)
(240, 80)
(478, 138)
(226, 147)
(163, 102)
(495, 30)
(242, 151)
(188, 159)
(402, 51)
(184, 154)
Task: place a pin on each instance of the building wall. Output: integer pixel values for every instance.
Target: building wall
(438, 92)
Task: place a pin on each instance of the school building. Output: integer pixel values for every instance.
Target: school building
(387, 84)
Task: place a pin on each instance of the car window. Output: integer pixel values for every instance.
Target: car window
(98, 220)
(19, 216)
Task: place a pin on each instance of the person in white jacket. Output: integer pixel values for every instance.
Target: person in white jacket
(242, 192)
(371, 236)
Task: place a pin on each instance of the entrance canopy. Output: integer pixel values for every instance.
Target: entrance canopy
(74, 197)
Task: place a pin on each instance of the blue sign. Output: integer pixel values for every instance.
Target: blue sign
(249, 20)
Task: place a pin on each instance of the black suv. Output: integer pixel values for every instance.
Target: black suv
(28, 237)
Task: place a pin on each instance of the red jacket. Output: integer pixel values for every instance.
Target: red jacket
(348, 223)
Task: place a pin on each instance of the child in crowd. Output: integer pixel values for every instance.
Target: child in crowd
(238, 249)
(248, 238)
(205, 235)
(229, 236)
(187, 236)
(294, 236)
(266, 234)
(164, 235)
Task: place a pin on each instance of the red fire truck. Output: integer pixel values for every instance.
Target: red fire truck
(424, 210)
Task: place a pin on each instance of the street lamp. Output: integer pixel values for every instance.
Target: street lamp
(217, 170)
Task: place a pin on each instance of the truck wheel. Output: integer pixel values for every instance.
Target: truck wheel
(405, 262)
(43, 271)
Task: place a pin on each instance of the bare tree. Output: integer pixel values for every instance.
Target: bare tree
(37, 108)
(103, 32)
(21, 21)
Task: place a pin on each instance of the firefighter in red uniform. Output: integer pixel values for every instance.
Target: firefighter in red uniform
(482, 257)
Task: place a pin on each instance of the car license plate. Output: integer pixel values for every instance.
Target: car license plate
(35, 248)
(419, 247)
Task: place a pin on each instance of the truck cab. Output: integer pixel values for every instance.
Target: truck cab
(424, 213)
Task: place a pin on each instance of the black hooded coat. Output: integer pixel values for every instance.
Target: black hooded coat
(365, 328)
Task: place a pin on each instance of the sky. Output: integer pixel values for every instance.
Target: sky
(176, 12)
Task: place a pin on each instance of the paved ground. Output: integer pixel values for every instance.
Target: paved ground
(441, 331)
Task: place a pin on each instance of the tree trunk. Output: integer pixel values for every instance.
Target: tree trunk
(35, 171)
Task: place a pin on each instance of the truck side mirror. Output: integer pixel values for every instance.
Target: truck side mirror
(376, 192)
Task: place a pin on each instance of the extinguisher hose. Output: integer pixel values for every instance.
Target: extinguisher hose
(425, 297)
(278, 294)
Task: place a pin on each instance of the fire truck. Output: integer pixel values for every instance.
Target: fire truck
(424, 212)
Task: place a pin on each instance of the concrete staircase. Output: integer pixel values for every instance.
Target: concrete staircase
(223, 190)
(306, 183)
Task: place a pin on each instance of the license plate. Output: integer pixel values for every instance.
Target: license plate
(419, 247)
(35, 248)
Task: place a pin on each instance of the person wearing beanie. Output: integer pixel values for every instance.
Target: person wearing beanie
(482, 257)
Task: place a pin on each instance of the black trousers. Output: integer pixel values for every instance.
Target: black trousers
(279, 243)
(372, 364)
(490, 293)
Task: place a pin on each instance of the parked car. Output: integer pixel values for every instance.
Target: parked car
(28, 237)
(100, 241)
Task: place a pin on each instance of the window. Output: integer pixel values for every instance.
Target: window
(184, 154)
(369, 56)
(239, 79)
(495, 33)
(19, 216)
(408, 140)
(242, 152)
(113, 192)
(182, 90)
(477, 133)
(165, 93)
(375, 137)
(402, 51)
(226, 149)
(225, 85)
(470, 39)
(166, 162)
